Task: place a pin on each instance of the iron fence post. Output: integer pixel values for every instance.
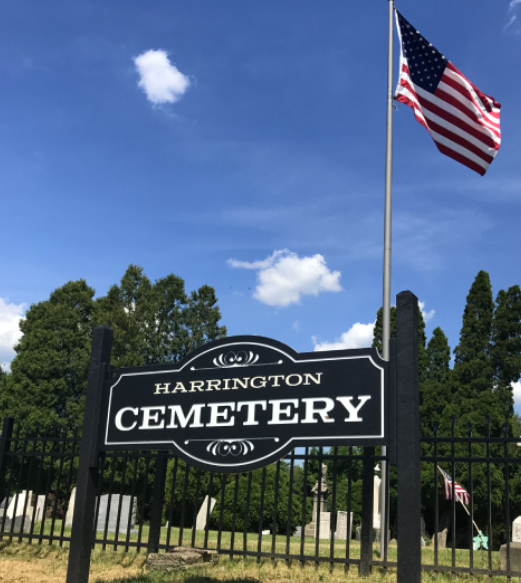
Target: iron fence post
(366, 533)
(158, 497)
(408, 439)
(82, 537)
(5, 443)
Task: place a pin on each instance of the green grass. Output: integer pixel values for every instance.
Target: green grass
(238, 570)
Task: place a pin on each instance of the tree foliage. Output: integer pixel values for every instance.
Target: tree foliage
(153, 323)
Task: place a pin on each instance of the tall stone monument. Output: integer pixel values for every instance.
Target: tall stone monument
(320, 514)
(200, 522)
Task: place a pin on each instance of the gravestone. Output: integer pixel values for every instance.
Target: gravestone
(298, 531)
(18, 503)
(70, 508)
(343, 530)
(200, 522)
(110, 513)
(515, 548)
(40, 508)
(516, 530)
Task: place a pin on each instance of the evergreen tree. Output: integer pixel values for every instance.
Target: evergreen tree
(436, 386)
(378, 328)
(49, 372)
(506, 348)
(473, 372)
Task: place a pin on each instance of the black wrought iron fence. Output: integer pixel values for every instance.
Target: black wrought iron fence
(294, 510)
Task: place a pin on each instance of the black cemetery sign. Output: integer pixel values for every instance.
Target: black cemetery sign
(243, 402)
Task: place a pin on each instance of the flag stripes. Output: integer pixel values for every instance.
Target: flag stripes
(459, 491)
(463, 122)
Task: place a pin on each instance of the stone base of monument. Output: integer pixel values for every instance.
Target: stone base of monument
(515, 556)
(181, 559)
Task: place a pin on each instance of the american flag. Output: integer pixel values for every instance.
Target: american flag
(460, 491)
(462, 121)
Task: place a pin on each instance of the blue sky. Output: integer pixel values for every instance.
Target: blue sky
(242, 145)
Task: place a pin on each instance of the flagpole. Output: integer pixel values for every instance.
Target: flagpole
(386, 315)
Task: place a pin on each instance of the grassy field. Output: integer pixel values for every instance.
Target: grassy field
(47, 563)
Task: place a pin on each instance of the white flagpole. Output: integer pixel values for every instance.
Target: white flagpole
(386, 315)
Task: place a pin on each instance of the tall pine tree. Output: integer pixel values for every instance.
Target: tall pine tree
(436, 385)
(473, 372)
(506, 348)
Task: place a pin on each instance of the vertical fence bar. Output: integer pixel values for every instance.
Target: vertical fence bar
(5, 445)
(196, 505)
(158, 495)
(183, 507)
(436, 497)
(221, 512)
(506, 500)
(82, 536)
(453, 497)
(261, 514)
(408, 439)
(172, 502)
(58, 483)
(275, 513)
(33, 456)
(334, 521)
(304, 507)
(18, 483)
(69, 480)
(319, 508)
(143, 501)
(132, 501)
(489, 495)
(234, 513)
(208, 507)
(120, 502)
(289, 532)
(366, 535)
(247, 514)
(349, 494)
(471, 494)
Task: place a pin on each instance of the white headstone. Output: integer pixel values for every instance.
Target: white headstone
(18, 503)
(516, 530)
(376, 501)
(200, 522)
(40, 508)
(343, 530)
(108, 515)
(70, 508)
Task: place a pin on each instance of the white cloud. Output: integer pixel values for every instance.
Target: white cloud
(160, 80)
(358, 336)
(514, 3)
(511, 21)
(516, 387)
(10, 316)
(284, 277)
(426, 315)
(296, 326)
